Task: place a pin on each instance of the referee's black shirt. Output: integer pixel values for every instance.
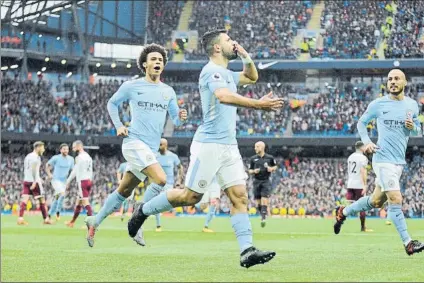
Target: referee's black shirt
(262, 163)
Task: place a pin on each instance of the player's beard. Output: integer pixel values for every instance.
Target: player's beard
(396, 93)
(230, 55)
(162, 151)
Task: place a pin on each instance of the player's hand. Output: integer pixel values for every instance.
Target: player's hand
(409, 124)
(269, 103)
(182, 114)
(33, 186)
(241, 52)
(122, 131)
(256, 171)
(371, 147)
(269, 169)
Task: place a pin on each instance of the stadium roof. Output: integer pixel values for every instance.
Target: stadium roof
(27, 10)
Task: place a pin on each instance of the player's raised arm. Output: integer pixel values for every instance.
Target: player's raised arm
(250, 73)
(178, 116)
(113, 108)
(369, 114)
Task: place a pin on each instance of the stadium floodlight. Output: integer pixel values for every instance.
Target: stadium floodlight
(40, 35)
(43, 69)
(21, 32)
(38, 73)
(95, 75)
(128, 65)
(68, 75)
(63, 61)
(14, 66)
(47, 59)
(98, 65)
(58, 38)
(4, 68)
(113, 65)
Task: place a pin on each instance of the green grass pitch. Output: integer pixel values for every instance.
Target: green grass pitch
(307, 250)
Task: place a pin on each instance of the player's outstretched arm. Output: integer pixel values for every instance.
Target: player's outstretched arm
(113, 107)
(369, 114)
(250, 73)
(178, 116)
(267, 103)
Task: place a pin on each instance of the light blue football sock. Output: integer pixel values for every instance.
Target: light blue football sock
(152, 191)
(210, 215)
(112, 203)
(157, 205)
(397, 217)
(362, 204)
(60, 203)
(158, 220)
(53, 207)
(243, 230)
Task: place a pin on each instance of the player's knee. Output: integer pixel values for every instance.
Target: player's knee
(190, 197)
(239, 198)
(394, 197)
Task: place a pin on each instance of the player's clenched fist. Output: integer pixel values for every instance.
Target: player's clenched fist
(183, 114)
(371, 147)
(271, 104)
(122, 131)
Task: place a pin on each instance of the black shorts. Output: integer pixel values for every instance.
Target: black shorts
(261, 189)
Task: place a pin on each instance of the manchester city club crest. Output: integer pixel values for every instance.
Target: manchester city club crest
(166, 96)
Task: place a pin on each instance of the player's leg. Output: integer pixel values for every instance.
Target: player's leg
(124, 209)
(199, 175)
(77, 211)
(23, 205)
(249, 255)
(392, 174)
(265, 194)
(232, 178)
(53, 206)
(59, 205)
(211, 197)
(357, 194)
(38, 194)
(365, 203)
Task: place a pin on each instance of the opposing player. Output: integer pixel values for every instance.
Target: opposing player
(61, 163)
(210, 198)
(130, 200)
(149, 100)
(261, 166)
(357, 178)
(397, 118)
(83, 171)
(33, 184)
(214, 151)
(168, 160)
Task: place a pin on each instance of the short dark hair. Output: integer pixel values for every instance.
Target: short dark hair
(359, 144)
(62, 145)
(38, 143)
(150, 48)
(209, 39)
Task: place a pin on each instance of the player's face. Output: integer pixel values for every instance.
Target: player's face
(76, 148)
(41, 150)
(396, 82)
(154, 63)
(64, 150)
(162, 147)
(227, 47)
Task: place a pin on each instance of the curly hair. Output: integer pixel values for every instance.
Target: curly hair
(150, 48)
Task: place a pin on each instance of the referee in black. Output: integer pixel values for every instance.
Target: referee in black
(261, 166)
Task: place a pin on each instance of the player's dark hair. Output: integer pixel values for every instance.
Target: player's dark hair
(63, 145)
(359, 144)
(150, 48)
(210, 38)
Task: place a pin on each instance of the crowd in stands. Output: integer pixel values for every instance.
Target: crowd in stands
(407, 37)
(352, 28)
(335, 112)
(32, 107)
(302, 186)
(266, 29)
(163, 20)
